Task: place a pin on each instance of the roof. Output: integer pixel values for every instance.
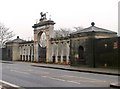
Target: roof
(17, 40)
(94, 29)
(26, 42)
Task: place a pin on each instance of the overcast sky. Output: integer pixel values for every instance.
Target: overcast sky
(21, 15)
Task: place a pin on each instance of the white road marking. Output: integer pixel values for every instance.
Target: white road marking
(90, 79)
(73, 82)
(19, 71)
(53, 78)
(61, 79)
(10, 84)
(41, 72)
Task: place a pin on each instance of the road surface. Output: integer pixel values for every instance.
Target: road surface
(24, 75)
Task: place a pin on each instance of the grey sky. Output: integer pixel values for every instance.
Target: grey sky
(20, 15)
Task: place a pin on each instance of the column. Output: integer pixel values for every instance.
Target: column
(33, 53)
(68, 51)
(36, 51)
(62, 47)
(47, 47)
(24, 53)
(35, 46)
(52, 52)
(21, 53)
(30, 56)
(56, 56)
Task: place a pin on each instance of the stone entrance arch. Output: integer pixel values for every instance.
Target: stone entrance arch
(47, 27)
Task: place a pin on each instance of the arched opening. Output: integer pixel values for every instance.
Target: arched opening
(42, 47)
(81, 54)
(42, 40)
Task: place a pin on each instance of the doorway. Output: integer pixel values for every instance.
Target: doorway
(81, 54)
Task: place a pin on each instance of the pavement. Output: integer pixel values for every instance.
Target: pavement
(106, 71)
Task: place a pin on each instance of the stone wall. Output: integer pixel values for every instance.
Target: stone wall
(9, 51)
(80, 52)
(3, 54)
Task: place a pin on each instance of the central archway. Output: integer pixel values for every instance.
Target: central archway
(42, 26)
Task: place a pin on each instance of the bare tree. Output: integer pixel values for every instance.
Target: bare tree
(62, 32)
(57, 34)
(5, 35)
(78, 28)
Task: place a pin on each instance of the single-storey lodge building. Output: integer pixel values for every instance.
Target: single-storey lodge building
(92, 46)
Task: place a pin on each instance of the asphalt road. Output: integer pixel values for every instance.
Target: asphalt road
(25, 75)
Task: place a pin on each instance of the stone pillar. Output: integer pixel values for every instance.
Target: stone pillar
(35, 51)
(25, 52)
(52, 51)
(56, 57)
(62, 48)
(68, 50)
(47, 48)
(20, 53)
(29, 53)
(35, 45)
(30, 56)
(32, 53)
